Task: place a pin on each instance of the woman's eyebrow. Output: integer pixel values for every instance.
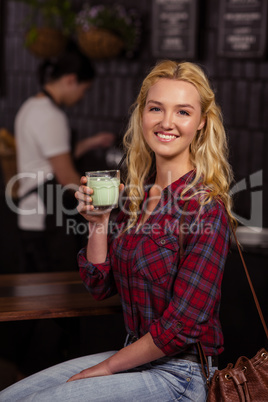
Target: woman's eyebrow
(187, 105)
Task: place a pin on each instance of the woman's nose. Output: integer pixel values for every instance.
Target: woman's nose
(167, 121)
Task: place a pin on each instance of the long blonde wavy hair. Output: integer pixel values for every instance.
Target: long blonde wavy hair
(208, 150)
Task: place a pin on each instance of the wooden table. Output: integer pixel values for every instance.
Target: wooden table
(49, 295)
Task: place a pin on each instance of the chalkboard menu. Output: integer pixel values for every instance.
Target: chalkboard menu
(174, 28)
(243, 28)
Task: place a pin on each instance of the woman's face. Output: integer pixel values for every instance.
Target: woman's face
(171, 118)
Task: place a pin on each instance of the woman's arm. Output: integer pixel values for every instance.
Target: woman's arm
(140, 352)
(97, 245)
(192, 312)
(94, 262)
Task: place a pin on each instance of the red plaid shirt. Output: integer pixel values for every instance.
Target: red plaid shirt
(177, 301)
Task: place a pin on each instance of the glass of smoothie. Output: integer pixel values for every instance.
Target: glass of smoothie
(105, 185)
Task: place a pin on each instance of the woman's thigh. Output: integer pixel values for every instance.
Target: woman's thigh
(50, 378)
(161, 382)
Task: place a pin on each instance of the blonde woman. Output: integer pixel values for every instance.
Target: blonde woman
(176, 158)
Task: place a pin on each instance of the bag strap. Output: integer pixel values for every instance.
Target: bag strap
(250, 283)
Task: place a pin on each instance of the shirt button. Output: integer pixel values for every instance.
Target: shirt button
(179, 325)
(163, 242)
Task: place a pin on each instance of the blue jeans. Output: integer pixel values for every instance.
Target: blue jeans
(164, 380)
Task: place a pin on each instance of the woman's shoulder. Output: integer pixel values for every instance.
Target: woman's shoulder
(197, 209)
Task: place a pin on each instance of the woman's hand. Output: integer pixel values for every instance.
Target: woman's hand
(98, 223)
(136, 354)
(85, 207)
(99, 370)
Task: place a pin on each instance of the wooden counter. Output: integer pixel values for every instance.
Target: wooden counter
(49, 295)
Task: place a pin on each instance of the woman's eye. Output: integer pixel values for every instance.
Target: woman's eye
(183, 113)
(154, 109)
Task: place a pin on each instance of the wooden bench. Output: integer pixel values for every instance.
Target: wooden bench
(49, 295)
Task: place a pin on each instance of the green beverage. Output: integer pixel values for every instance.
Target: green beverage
(105, 185)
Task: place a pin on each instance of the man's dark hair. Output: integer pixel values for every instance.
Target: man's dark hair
(72, 61)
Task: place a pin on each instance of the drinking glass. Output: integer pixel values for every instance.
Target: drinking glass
(105, 185)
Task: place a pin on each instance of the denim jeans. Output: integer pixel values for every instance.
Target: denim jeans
(166, 379)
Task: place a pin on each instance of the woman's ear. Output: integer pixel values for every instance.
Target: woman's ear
(202, 122)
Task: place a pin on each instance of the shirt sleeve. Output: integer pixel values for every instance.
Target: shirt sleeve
(196, 295)
(98, 278)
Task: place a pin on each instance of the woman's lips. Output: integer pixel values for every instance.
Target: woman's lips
(166, 137)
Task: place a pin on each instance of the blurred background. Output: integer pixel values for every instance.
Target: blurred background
(241, 86)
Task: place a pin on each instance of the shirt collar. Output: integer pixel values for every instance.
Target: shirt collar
(182, 182)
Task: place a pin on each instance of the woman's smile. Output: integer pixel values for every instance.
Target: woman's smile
(166, 137)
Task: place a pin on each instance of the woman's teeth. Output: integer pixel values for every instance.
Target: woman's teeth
(166, 136)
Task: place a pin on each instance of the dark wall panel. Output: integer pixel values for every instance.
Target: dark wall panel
(241, 86)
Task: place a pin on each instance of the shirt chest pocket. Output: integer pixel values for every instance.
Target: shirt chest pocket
(156, 257)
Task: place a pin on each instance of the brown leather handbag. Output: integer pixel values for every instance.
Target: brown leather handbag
(247, 380)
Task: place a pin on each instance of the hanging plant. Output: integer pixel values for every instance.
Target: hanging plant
(106, 31)
(49, 24)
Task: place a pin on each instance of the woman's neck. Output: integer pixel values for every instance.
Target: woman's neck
(167, 173)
